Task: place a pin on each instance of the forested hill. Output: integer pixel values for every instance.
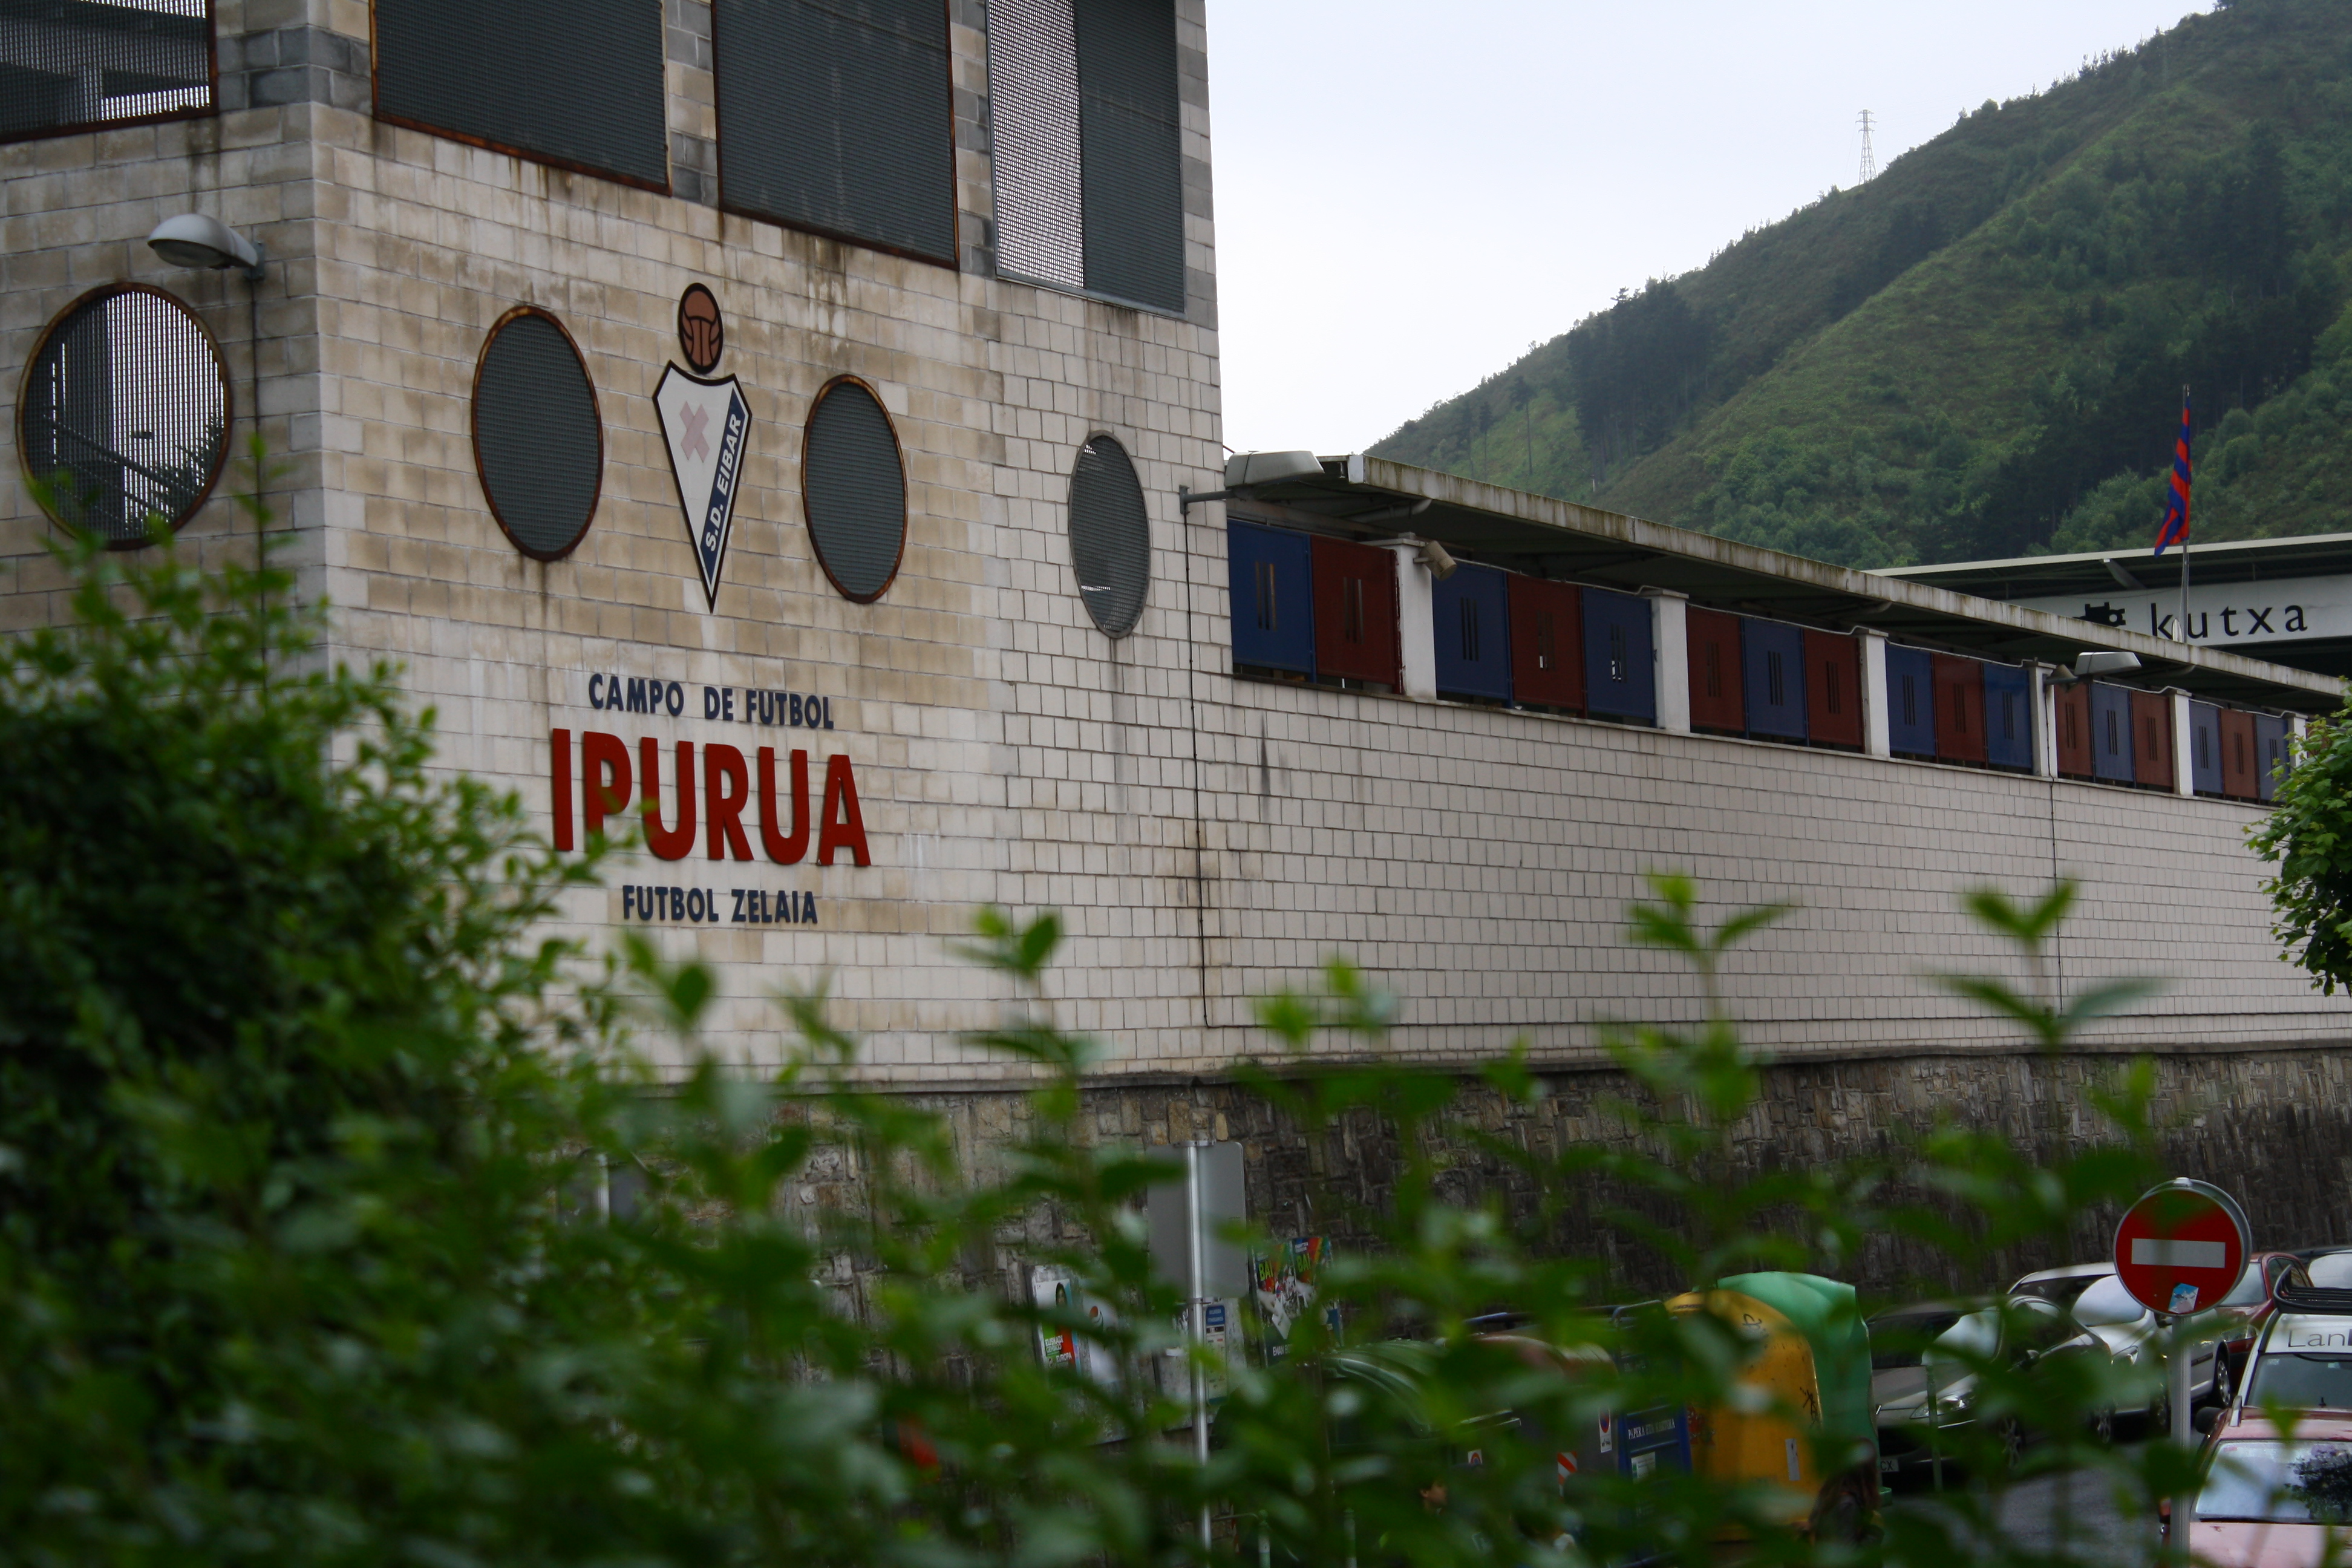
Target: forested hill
(1980, 353)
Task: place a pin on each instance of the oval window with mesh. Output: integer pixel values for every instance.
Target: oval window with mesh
(854, 489)
(539, 444)
(1111, 537)
(124, 422)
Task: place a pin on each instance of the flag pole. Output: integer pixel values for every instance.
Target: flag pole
(2184, 535)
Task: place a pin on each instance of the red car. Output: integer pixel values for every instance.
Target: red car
(2270, 1502)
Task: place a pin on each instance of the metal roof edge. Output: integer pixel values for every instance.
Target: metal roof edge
(2093, 558)
(1665, 539)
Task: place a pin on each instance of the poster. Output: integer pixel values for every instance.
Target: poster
(1059, 1345)
(1283, 1288)
(1051, 1290)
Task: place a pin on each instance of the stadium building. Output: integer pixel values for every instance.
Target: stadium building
(771, 423)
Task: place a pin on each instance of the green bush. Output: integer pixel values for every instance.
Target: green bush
(308, 1254)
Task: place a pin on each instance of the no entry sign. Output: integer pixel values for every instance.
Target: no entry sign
(2182, 1246)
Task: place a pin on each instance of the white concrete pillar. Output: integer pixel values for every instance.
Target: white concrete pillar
(1670, 635)
(1416, 626)
(2046, 720)
(1875, 738)
(2184, 777)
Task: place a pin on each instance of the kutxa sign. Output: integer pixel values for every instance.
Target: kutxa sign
(712, 789)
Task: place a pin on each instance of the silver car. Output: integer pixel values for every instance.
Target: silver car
(2096, 1298)
(1923, 1373)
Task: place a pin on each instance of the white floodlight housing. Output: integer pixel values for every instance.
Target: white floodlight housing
(195, 239)
(2109, 663)
(1438, 559)
(1270, 467)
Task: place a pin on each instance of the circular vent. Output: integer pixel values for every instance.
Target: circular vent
(856, 491)
(1111, 537)
(538, 442)
(125, 417)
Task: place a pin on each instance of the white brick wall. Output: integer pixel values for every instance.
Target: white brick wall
(1478, 861)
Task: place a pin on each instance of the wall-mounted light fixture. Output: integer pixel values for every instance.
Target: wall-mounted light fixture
(2090, 666)
(205, 243)
(1246, 470)
(194, 239)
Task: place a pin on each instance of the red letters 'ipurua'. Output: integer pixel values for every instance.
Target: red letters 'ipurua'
(727, 785)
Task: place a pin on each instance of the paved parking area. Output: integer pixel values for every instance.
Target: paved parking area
(2075, 1516)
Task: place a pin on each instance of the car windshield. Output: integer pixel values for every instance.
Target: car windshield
(2058, 1292)
(2106, 1303)
(2249, 1290)
(2301, 1381)
(2332, 1270)
(2279, 1483)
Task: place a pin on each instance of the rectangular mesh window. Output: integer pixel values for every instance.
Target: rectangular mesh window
(837, 117)
(572, 82)
(69, 65)
(1131, 147)
(1033, 90)
(1086, 126)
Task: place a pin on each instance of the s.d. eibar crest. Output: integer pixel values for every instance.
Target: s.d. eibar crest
(705, 425)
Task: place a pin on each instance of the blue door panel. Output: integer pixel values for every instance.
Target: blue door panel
(1911, 701)
(1772, 677)
(2111, 733)
(1620, 656)
(2272, 757)
(1272, 598)
(2205, 748)
(2008, 717)
(1470, 620)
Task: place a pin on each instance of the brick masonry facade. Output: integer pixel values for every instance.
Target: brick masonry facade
(1207, 839)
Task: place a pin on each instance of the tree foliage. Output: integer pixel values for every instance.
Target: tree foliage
(2308, 837)
(340, 1228)
(1982, 352)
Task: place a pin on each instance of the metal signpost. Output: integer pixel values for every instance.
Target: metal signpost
(1186, 1218)
(2178, 1250)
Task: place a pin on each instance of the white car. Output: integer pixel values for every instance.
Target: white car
(2098, 1301)
(2302, 1362)
(2059, 1287)
(2331, 1271)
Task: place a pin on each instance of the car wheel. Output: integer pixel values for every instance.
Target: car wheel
(2159, 1415)
(2225, 1380)
(2103, 1425)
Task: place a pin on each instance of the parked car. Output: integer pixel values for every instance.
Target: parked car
(2128, 1328)
(2245, 1310)
(2268, 1501)
(2059, 1287)
(2135, 1337)
(2330, 1267)
(2302, 1361)
(1926, 1360)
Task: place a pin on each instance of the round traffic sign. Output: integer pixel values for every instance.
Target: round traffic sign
(2182, 1246)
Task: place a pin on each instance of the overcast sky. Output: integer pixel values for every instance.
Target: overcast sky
(1409, 194)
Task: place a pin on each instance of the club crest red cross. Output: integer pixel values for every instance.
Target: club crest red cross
(2181, 1247)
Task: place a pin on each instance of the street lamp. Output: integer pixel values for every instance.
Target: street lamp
(194, 239)
(205, 243)
(1246, 470)
(2089, 666)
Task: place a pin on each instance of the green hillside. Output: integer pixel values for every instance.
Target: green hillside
(1982, 352)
